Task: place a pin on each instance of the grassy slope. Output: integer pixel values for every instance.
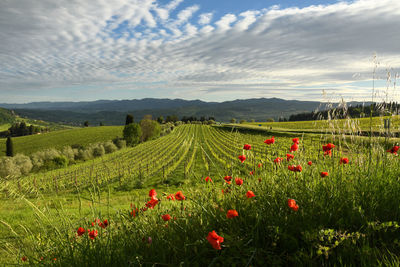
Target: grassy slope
(58, 139)
(266, 229)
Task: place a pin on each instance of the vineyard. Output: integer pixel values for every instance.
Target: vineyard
(340, 213)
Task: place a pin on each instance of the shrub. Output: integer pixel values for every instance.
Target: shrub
(150, 130)
(98, 150)
(8, 168)
(132, 134)
(60, 161)
(24, 163)
(110, 147)
(69, 153)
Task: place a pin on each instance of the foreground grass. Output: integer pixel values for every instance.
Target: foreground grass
(59, 139)
(347, 218)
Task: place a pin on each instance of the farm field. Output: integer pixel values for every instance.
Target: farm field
(337, 125)
(327, 211)
(58, 139)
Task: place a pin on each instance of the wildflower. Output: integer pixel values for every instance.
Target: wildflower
(134, 212)
(166, 217)
(328, 149)
(152, 203)
(231, 213)
(247, 147)
(394, 150)
(179, 196)
(238, 181)
(103, 224)
(250, 194)
(171, 197)
(242, 158)
(251, 173)
(289, 157)
(270, 141)
(93, 234)
(295, 140)
(278, 160)
(81, 231)
(344, 161)
(309, 163)
(295, 168)
(24, 258)
(208, 179)
(259, 165)
(292, 204)
(215, 240)
(294, 147)
(152, 193)
(228, 179)
(324, 174)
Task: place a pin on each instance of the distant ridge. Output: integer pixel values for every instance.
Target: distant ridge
(112, 112)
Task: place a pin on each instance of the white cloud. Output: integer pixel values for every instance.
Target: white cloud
(224, 23)
(205, 18)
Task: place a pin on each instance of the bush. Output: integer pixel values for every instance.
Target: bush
(150, 130)
(98, 150)
(24, 163)
(132, 134)
(8, 168)
(60, 161)
(110, 147)
(69, 153)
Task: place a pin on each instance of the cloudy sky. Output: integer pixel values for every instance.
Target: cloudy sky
(75, 50)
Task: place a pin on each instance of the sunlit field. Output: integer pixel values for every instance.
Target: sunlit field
(221, 197)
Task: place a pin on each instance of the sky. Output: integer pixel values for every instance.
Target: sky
(84, 50)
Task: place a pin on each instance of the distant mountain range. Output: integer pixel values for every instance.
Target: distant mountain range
(113, 112)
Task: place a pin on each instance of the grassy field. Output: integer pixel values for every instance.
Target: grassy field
(348, 217)
(58, 139)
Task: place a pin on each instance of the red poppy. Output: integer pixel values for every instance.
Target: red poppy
(93, 234)
(247, 147)
(24, 258)
(215, 240)
(309, 163)
(208, 179)
(289, 157)
(295, 168)
(344, 161)
(278, 160)
(324, 174)
(259, 180)
(259, 165)
(152, 193)
(242, 158)
(270, 141)
(250, 194)
(134, 212)
(294, 147)
(251, 173)
(166, 217)
(328, 149)
(394, 150)
(81, 231)
(179, 196)
(228, 179)
(295, 140)
(238, 181)
(292, 204)
(231, 213)
(171, 197)
(103, 224)
(152, 203)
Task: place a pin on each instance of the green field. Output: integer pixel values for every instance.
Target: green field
(58, 139)
(349, 217)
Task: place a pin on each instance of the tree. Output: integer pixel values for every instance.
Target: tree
(129, 119)
(233, 120)
(132, 133)
(150, 130)
(270, 120)
(86, 124)
(101, 124)
(160, 119)
(9, 147)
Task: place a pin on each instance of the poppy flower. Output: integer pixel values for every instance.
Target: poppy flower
(247, 147)
(231, 213)
(394, 150)
(166, 217)
(228, 179)
(294, 147)
(134, 212)
(259, 165)
(328, 149)
(270, 141)
(179, 196)
(292, 204)
(278, 160)
(295, 168)
(259, 180)
(309, 163)
(171, 197)
(24, 258)
(250, 194)
(295, 140)
(93, 234)
(152, 193)
(289, 157)
(324, 174)
(81, 231)
(208, 179)
(242, 158)
(103, 224)
(238, 181)
(152, 203)
(251, 173)
(344, 161)
(215, 240)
